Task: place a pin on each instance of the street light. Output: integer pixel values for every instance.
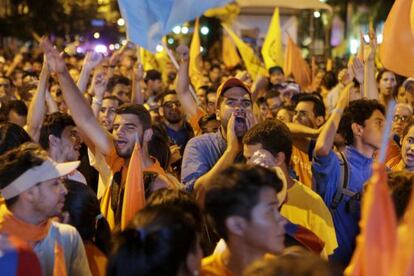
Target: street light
(184, 30)
(96, 35)
(121, 22)
(177, 29)
(316, 14)
(204, 30)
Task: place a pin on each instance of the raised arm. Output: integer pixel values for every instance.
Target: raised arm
(99, 83)
(81, 112)
(370, 85)
(137, 97)
(37, 108)
(325, 140)
(92, 59)
(183, 83)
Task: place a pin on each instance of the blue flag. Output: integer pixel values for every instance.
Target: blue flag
(148, 21)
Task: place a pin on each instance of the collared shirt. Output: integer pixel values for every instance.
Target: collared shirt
(326, 173)
(200, 155)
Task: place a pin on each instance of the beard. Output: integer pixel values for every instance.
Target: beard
(173, 118)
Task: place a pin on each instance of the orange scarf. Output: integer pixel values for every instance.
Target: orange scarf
(31, 233)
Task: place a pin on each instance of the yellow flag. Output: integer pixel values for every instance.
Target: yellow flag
(230, 56)
(195, 69)
(148, 60)
(296, 65)
(251, 61)
(272, 47)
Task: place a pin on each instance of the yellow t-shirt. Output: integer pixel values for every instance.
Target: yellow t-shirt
(302, 166)
(306, 208)
(213, 265)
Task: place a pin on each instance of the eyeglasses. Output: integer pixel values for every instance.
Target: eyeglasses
(399, 118)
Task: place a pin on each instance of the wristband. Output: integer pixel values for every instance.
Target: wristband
(96, 101)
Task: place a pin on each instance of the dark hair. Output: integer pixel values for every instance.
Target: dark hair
(113, 98)
(54, 124)
(272, 93)
(112, 82)
(358, 112)
(138, 110)
(401, 185)
(265, 133)
(177, 198)
(215, 66)
(158, 146)
(156, 242)
(18, 106)
(235, 191)
(318, 105)
(276, 69)
(17, 161)
(12, 136)
(163, 95)
(293, 265)
(406, 129)
(329, 80)
(382, 72)
(152, 75)
(83, 207)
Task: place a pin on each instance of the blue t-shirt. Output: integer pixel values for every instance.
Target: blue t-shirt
(326, 173)
(200, 155)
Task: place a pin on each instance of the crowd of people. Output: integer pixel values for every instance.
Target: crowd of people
(242, 175)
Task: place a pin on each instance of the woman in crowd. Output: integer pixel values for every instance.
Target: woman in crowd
(161, 240)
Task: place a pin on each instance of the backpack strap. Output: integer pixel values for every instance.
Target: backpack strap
(342, 185)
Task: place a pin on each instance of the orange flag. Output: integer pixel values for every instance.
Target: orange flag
(404, 256)
(134, 195)
(396, 52)
(296, 65)
(376, 243)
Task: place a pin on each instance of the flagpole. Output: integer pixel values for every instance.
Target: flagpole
(174, 61)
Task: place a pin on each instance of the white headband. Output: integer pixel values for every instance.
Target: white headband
(48, 170)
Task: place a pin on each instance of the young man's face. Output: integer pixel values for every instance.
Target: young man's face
(49, 197)
(172, 109)
(122, 91)
(155, 86)
(265, 229)
(276, 77)
(69, 144)
(17, 119)
(407, 149)
(274, 104)
(372, 130)
(235, 99)
(305, 115)
(107, 113)
(5, 87)
(211, 103)
(126, 128)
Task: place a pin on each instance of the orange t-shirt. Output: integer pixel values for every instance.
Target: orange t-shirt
(302, 165)
(96, 259)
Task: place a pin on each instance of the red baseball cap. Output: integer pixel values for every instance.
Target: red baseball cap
(230, 83)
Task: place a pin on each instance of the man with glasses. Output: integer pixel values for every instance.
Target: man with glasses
(178, 130)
